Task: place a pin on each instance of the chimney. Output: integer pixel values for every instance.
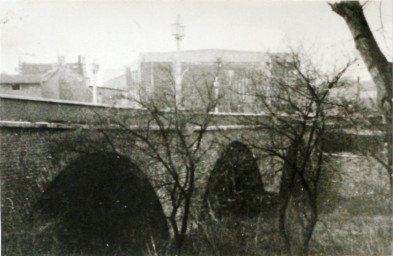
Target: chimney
(81, 60)
(82, 66)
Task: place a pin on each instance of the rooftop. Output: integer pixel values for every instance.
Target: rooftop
(33, 68)
(207, 55)
(26, 79)
(20, 79)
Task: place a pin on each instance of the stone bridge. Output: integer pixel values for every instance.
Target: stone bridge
(39, 138)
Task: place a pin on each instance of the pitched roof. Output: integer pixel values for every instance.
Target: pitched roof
(35, 68)
(20, 79)
(26, 79)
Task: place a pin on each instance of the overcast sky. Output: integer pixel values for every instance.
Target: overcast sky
(114, 32)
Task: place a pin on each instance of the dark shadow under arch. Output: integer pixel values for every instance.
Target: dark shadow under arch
(103, 202)
(235, 185)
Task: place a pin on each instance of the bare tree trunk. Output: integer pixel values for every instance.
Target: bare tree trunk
(287, 182)
(377, 64)
(282, 222)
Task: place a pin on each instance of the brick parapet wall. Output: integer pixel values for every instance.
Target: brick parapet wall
(70, 112)
(35, 110)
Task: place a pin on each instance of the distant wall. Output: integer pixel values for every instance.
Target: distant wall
(27, 90)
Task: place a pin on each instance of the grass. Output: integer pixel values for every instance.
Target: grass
(336, 233)
(359, 225)
(351, 235)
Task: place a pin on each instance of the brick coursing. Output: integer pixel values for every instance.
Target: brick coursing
(25, 167)
(31, 157)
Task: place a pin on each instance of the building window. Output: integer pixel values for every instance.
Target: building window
(16, 87)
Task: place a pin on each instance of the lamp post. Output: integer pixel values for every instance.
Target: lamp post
(94, 68)
(216, 86)
(178, 33)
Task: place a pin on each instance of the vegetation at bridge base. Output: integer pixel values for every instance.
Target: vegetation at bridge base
(235, 184)
(102, 203)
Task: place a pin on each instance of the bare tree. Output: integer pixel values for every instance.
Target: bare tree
(377, 64)
(171, 136)
(297, 107)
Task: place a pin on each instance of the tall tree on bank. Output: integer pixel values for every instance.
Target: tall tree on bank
(377, 64)
(295, 97)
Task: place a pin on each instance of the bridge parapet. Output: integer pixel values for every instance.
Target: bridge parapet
(39, 111)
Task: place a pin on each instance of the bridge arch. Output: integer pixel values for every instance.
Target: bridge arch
(235, 183)
(102, 202)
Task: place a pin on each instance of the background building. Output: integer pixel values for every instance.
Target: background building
(363, 92)
(204, 71)
(79, 67)
(61, 80)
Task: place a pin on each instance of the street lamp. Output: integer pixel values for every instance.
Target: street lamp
(94, 69)
(178, 33)
(216, 86)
